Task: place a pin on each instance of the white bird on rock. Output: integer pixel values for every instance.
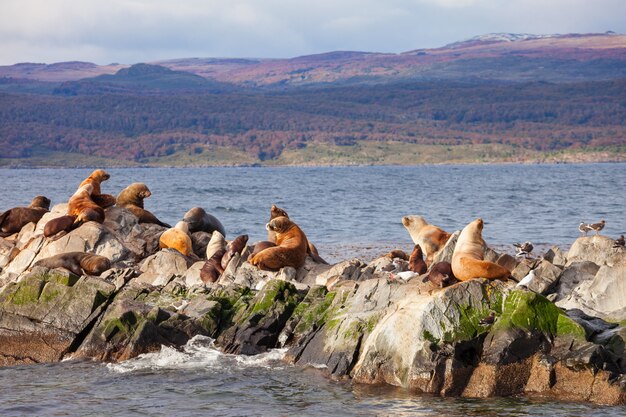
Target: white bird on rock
(525, 282)
(404, 275)
(584, 228)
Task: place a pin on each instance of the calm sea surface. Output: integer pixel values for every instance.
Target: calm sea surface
(353, 211)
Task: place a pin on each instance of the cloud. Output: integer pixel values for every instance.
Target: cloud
(131, 31)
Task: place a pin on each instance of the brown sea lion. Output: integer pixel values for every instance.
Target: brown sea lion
(430, 238)
(290, 250)
(83, 207)
(78, 263)
(259, 246)
(416, 261)
(96, 178)
(177, 238)
(236, 246)
(12, 220)
(467, 259)
(212, 268)
(271, 236)
(131, 198)
(58, 224)
(397, 253)
(201, 221)
(441, 275)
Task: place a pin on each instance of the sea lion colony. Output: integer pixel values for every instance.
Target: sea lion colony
(287, 244)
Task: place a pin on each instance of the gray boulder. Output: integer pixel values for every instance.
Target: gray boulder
(573, 275)
(597, 249)
(161, 267)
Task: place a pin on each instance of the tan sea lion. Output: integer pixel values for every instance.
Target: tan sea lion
(131, 198)
(236, 246)
(201, 221)
(416, 261)
(216, 244)
(12, 220)
(177, 238)
(78, 263)
(83, 207)
(96, 178)
(290, 250)
(271, 235)
(430, 238)
(467, 259)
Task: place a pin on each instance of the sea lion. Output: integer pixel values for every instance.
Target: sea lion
(467, 259)
(216, 244)
(12, 220)
(96, 178)
(83, 207)
(290, 250)
(441, 275)
(131, 198)
(397, 253)
(271, 235)
(236, 246)
(259, 246)
(430, 238)
(199, 220)
(416, 261)
(212, 268)
(77, 263)
(177, 238)
(58, 224)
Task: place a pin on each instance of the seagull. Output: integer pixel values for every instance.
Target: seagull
(523, 249)
(584, 228)
(527, 279)
(597, 226)
(404, 275)
(619, 242)
(486, 321)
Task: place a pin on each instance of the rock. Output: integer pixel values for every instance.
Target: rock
(507, 261)
(547, 277)
(555, 256)
(192, 275)
(161, 267)
(523, 268)
(597, 249)
(120, 220)
(43, 315)
(310, 271)
(91, 237)
(573, 275)
(257, 327)
(23, 260)
(601, 297)
(346, 270)
(445, 254)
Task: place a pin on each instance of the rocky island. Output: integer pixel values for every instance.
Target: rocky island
(562, 336)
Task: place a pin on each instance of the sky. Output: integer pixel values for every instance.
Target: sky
(131, 31)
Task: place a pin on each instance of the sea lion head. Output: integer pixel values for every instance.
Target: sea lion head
(40, 202)
(478, 224)
(414, 222)
(280, 224)
(133, 194)
(277, 212)
(183, 227)
(100, 175)
(194, 217)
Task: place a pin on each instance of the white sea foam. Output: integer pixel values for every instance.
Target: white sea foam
(199, 352)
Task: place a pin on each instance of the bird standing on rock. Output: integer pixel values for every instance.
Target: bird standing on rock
(596, 227)
(490, 319)
(523, 249)
(525, 282)
(584, 228)
(619, 242)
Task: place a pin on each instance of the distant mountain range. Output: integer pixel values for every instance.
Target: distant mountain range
(503, 56)
(496, 97)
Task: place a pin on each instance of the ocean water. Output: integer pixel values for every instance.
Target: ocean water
(352, 211)
(357, 211)
(200, 381)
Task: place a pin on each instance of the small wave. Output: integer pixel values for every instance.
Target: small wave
(230, 209)
(199, 352)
